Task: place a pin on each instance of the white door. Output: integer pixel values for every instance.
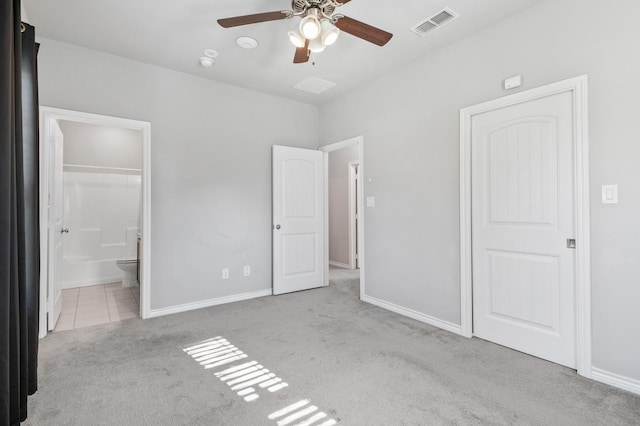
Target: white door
(522, 218)
(56, 230)
(298, 219)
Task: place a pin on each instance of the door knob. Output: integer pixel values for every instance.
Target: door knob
(277, 226)
(64, 231)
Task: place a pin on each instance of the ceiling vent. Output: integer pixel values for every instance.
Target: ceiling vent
(436, 21)
(314, 85)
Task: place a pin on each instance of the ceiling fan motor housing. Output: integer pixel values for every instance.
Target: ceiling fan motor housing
(325, 7)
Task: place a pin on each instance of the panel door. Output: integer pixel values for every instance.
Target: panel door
(523, 214)
(56, 230)
(298, 219)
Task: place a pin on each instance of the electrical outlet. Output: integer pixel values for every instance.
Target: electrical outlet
(225, 273)
(247, 270)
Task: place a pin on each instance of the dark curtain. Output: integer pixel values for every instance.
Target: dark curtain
(19, 233)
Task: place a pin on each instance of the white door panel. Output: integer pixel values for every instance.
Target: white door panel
(54, 296)
(522, 216)
(298, 219)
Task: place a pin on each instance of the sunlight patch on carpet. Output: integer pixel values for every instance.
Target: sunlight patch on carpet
(247, 378)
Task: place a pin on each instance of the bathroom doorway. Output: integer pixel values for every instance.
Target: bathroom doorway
(94, 191)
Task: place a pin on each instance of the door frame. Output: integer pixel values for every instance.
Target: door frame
(354, 210)
(578, 86)
(50, 113)
(359, 142)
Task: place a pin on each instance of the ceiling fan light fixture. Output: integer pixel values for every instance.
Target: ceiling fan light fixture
(296, 38)
(310, 25)
(329, 32)
(316, 45)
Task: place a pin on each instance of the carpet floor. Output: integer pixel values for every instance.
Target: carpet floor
(318, 357)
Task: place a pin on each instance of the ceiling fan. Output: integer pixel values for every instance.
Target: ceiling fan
(318, 28)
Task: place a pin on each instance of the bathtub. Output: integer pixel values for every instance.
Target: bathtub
(81, 272)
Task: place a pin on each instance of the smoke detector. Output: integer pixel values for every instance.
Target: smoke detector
(247, 42)
(206, 61)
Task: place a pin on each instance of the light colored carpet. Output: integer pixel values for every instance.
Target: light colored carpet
(356, 363)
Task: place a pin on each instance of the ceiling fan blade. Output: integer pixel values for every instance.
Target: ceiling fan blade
(302, 54)
(363, 31)
(254, 19)
(343, 2)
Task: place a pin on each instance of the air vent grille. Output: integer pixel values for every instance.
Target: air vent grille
(425, 27)
(436, 21)
(314, 85)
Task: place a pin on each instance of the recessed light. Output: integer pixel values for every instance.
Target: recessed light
(210, 53)
(206, 61)
(247, 42)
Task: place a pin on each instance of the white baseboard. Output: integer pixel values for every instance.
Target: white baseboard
(339, 264)
(207, 303)
(89, 283)
(616, 380)
(427, 319)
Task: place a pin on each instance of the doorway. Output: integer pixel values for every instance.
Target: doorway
(301, 203)
(524, 223)
(344, 212)
(87, 195)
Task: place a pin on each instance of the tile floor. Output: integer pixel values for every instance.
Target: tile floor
(99, 304)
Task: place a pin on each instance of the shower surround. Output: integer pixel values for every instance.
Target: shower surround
(102, 213)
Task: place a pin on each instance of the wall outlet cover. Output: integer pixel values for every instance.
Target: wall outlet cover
(371, 202)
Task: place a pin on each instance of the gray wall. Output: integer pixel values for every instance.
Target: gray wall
(410, 123)
(101, 146)
(210, 164)
(23, 13)
(339, 203)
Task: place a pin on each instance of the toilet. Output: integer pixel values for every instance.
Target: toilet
(129, 272)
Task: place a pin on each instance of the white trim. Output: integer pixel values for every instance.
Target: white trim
(355, 141)
(615, 380)
(340, 265)
(46, 115)
(352, 173)
(578, 87)
(207, 303)
(347, 143)
(419, 316)
(325, 163)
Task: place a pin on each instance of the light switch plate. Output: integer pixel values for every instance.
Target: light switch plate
(609, 194)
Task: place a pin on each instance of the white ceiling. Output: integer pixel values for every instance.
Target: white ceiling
(173, 34)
